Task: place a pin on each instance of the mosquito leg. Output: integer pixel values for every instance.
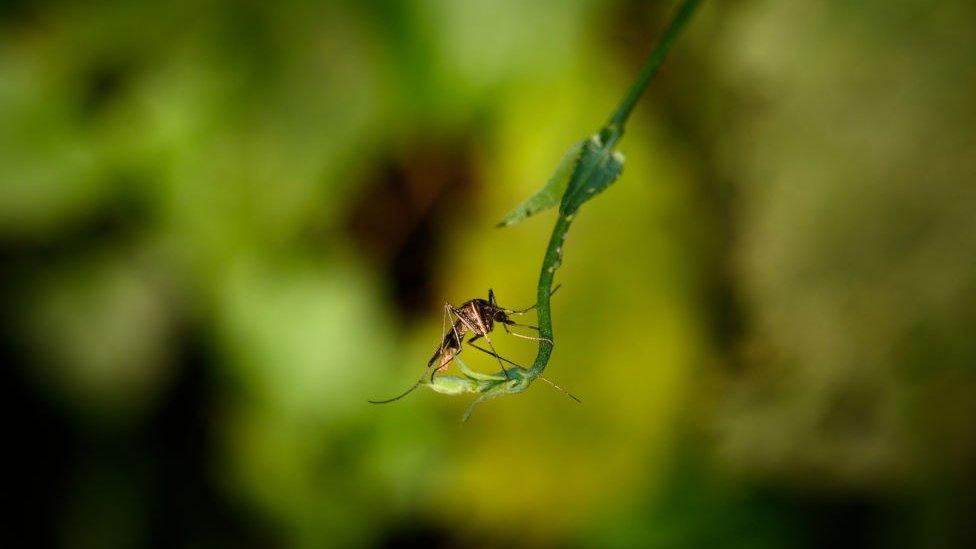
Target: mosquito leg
(471, 374)
(450, 313)
(440, 349)
(492, 347)
(484, 335)
(529, 308)
(544, 378)
(443, 366)
(437, 354)
(558, 388)
(447, 313)
(499, 357)
(448, 308)
(476, 375)
(454, 328)
(516, 334)
(536, 328)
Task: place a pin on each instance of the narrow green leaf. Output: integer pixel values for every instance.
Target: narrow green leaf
(599, 166)
(550, 194)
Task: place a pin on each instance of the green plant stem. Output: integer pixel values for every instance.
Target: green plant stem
(610, 134)
(549, 264)
(653, 64)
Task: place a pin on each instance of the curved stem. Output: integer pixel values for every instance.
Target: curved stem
(550, 263)
(610, 134)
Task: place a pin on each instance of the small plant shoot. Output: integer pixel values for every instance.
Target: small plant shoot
(586, 169)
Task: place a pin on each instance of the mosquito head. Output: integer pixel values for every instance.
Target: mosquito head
(499, 315)
(491, 308)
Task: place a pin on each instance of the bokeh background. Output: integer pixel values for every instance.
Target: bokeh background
(225, 225)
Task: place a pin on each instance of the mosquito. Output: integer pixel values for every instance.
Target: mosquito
(476, 316)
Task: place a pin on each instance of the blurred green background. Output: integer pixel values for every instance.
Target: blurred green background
(225, 225)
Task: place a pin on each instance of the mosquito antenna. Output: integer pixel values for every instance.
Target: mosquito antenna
(527, 309)
(570, 395)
